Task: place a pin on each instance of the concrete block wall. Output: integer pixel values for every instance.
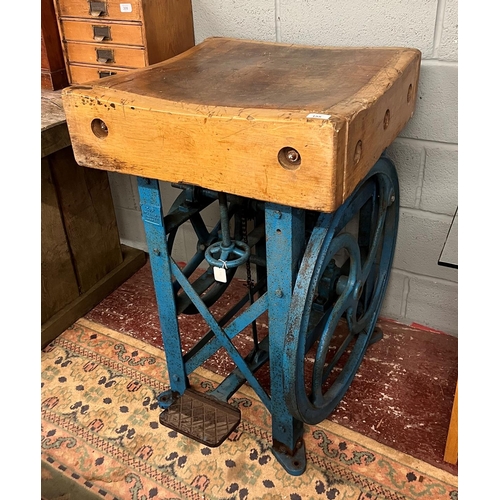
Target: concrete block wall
(426, 152)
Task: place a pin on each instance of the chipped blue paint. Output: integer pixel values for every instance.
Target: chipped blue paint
(305, 293)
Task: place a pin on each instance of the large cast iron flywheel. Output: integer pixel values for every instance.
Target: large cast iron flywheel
(335, 304)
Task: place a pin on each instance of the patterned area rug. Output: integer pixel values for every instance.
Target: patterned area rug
(101, 438)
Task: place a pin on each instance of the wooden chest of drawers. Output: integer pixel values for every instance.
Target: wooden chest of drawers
(104, 38)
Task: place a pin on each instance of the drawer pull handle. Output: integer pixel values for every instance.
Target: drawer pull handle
(101, 33)
(104, 56)
(104, 74)
(97, 9)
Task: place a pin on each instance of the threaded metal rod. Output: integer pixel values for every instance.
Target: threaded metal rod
(224, 220)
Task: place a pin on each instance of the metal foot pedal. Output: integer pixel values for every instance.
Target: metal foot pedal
(201, 417)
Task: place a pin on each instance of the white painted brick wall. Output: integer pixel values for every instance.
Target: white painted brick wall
(124, 191)
(436, 110)
(427, 301)
(360, 22)
(446, 41)
(439, 189)
(426, 153)
(420, 240)
(253, 20)
(409, 159)
(432, 298)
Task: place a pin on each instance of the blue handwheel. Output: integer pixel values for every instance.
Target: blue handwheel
(205, 285)
(335, 304)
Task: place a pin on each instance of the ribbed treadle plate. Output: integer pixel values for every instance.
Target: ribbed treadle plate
(201, 417)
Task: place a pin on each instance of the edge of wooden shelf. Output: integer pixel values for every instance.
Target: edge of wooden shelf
(451, 449)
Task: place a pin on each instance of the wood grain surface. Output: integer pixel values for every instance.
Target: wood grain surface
(219, 114)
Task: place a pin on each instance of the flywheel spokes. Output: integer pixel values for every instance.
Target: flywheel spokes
(334, 306)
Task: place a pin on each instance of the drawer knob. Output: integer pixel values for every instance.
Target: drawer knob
(104, 56)
(101, 33)
(97, 9)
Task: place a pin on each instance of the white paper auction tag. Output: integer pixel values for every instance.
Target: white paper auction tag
(318, 116)
(125, 7)
(220, 274)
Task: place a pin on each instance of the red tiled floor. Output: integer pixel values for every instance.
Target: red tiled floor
(401, 396)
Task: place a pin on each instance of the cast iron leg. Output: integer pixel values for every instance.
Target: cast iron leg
(285, 233)
(152, 216)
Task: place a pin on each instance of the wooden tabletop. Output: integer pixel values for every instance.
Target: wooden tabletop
(52, 109)
(226, 114)
(244, 74)
(54, 131)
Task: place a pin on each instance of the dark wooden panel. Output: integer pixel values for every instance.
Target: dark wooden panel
(88, 216)
(133, 260)
(169, 28)
(59, 285)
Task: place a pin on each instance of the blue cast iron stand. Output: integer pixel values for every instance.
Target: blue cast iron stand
(314, 299)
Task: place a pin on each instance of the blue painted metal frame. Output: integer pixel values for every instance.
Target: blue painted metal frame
(295, 263)
(154, 226)
(285, 232)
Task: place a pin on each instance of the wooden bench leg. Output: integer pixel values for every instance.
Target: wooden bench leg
(451, 449)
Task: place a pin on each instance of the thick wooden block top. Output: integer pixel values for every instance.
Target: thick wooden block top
(291, 124)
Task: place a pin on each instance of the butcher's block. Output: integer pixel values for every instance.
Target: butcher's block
(290, 124)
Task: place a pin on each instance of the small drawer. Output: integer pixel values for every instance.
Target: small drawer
(84, 74)
(106, 55)
(87, 31)
(121, 10)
